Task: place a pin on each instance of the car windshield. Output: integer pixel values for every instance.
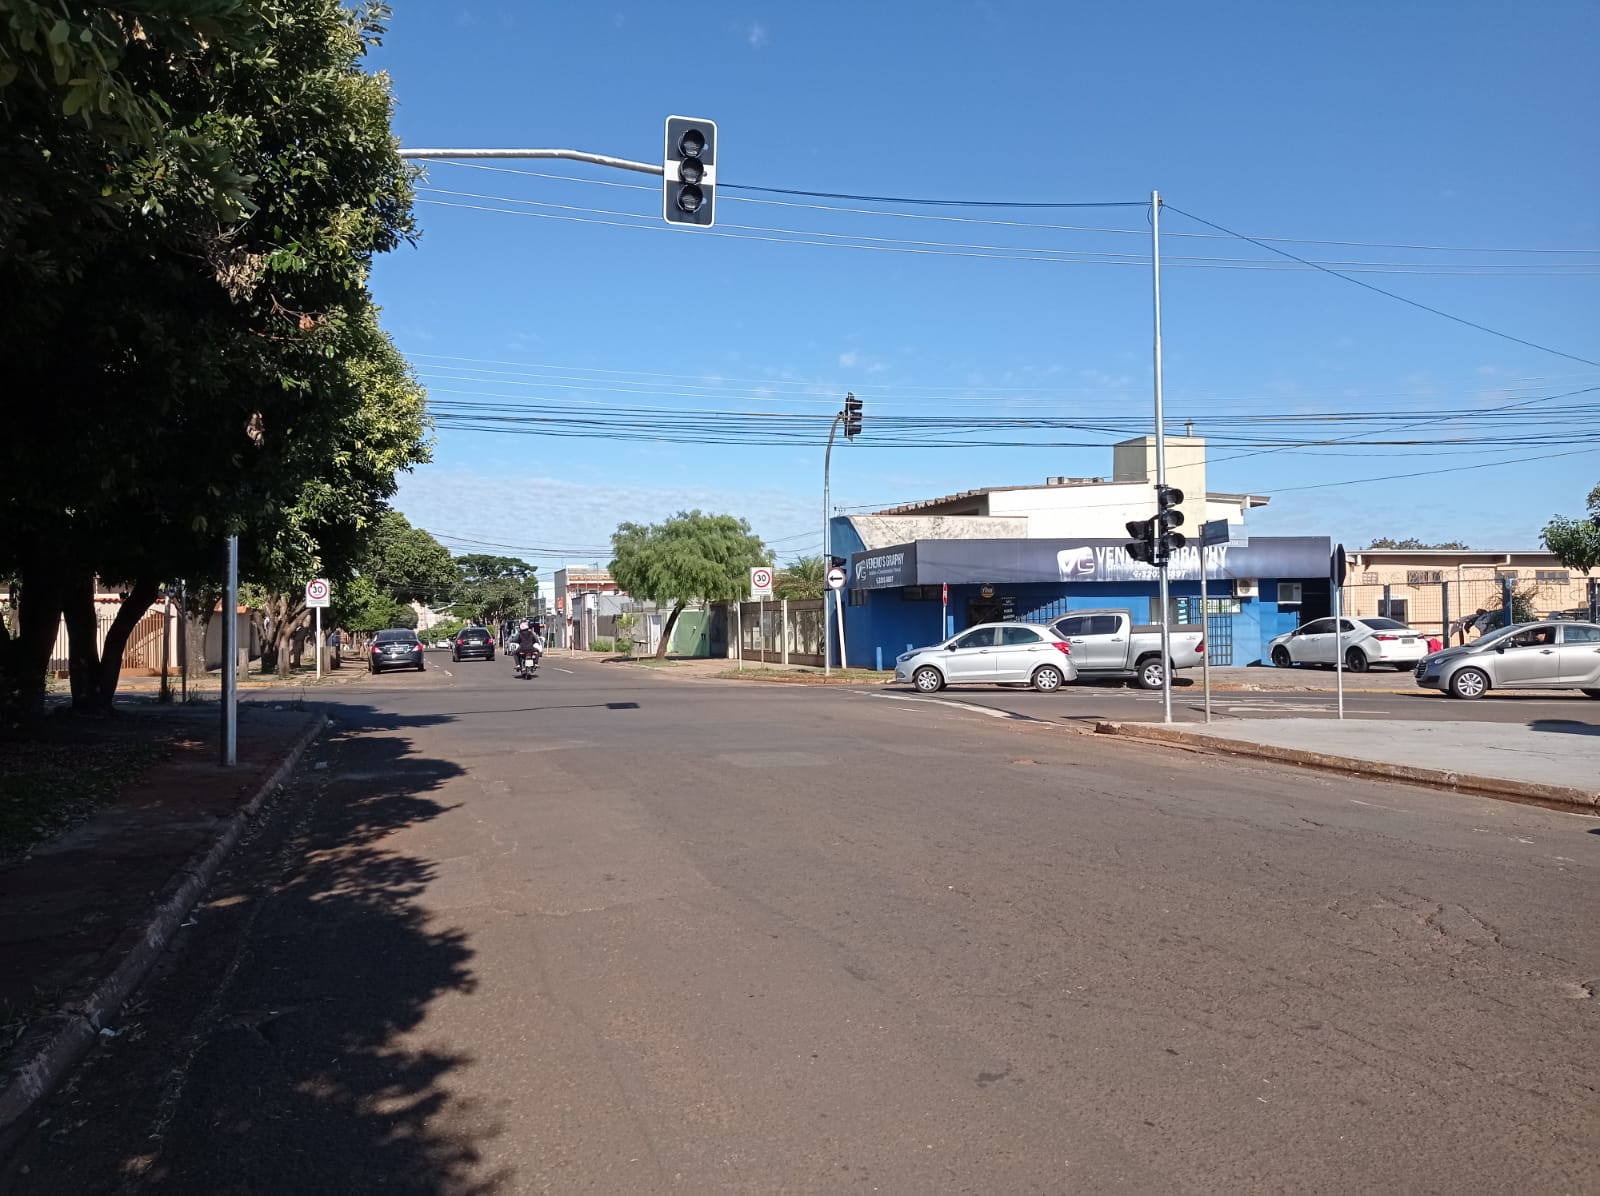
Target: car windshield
(390, 637)
(1385, 625)
(1498, 634)
(474, 633)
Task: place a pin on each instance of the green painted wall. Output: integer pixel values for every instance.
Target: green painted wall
(692, 635)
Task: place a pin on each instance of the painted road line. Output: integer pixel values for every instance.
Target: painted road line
(990, 711)
(568, 672)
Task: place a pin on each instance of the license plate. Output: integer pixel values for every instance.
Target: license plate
(1410, 643)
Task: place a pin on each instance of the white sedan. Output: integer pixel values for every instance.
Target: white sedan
(1366, 643)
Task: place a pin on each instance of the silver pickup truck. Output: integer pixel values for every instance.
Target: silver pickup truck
(1107, 643)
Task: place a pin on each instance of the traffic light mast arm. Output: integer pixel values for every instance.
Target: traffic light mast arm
(565, 154)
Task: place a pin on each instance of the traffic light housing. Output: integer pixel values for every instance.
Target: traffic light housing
(838, 562)
(689, 172)
(1143, 546)
(1168, 517)
(852, 416)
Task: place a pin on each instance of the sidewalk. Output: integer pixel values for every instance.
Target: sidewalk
(1552, 762)
(83, 916)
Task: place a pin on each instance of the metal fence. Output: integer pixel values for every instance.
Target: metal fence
(781, 632)
(1462, 609)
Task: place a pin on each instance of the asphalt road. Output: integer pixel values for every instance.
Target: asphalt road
(613, 931)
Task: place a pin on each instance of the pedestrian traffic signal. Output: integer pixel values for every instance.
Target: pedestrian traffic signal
(1168, 517)
(852, 416)
(1143, 547)
(689, 172)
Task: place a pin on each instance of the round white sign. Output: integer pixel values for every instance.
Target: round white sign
(317, 591)
(761, 579)
(836, 579)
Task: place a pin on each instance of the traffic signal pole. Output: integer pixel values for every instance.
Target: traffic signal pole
(827, 555)
(1161, 457)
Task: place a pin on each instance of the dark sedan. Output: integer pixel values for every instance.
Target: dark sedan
(396, 649)
(472, 643)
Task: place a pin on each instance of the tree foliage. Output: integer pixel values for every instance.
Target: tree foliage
(494, 588)
(803, 577)
(1417, 545)
(191, 194)
(1576, 542)
(690, 557)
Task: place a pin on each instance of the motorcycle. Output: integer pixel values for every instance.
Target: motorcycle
(528, 663)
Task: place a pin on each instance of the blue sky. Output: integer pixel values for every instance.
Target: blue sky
(1393, 128)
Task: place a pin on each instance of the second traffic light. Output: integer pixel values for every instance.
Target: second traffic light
(689, 172)
(1168, 517)
(1143, 546)
(852, 416)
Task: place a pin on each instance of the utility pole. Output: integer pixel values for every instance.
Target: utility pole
(230, 657)
(1161, 454)
(827, 550)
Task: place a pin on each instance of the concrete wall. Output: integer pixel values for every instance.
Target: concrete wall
(880, 531)
(1135, 461)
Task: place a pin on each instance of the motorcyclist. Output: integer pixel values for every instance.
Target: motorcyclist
(528, 643)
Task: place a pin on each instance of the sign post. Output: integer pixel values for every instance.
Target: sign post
(316, 598)
(760, 591)
(944, 612)
(1213, 531)
(1336, 570)
(836, 584)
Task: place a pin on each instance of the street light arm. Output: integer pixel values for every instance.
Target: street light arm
(564, 154)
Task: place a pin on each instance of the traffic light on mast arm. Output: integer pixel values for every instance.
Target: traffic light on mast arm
(689, 172)
(1167, 518)
(1143, 547)
(852, 416)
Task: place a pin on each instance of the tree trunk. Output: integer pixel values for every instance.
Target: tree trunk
(83, 639)
(140, 596)
(26, 658)
(666, 632)
(287, 614)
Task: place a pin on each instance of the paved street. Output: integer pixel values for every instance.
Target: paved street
(613, 931)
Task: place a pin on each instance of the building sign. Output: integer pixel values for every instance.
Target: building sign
(1002, 562)
(885, 570)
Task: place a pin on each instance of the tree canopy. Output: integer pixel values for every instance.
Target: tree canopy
(690, 557)
(493, 588)
(1417, 545)
(1576, 542)
(191, 195)
(803, 577)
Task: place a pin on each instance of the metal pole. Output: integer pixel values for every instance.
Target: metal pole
(1594, 600)
(230, 657)
(738, 630)
(565, 154)
(1506, 604)
(1444, 614)
(1161, 452)
(1205, 633)
(1338, 641)
(183, 641)
(166, 642)
(838, 606)
(319, 642)
(827, 552)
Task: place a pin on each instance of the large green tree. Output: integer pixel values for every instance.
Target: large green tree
(190, 196)
(691, 557)
(1416, 545)
(803, 577)
(1576, 542)
(495, 588)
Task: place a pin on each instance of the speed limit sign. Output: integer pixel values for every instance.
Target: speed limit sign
(317, 592)
(761, 582)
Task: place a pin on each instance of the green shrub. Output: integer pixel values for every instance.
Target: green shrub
(602, 646)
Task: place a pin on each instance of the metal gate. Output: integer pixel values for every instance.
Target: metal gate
(1219, 639)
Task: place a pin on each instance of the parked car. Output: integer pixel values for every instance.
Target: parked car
(1107, 643)
(472, 643)
(991, 654)
(395, 649)
(1366, 643)
(441, 643)
(1551, 655)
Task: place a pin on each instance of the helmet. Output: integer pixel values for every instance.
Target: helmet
(524, 623)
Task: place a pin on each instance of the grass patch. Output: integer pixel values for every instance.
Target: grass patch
(47, 786)
(808, 676)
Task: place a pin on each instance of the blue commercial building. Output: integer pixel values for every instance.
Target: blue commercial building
(922, 591)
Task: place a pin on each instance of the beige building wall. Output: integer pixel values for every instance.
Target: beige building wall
(1135, 461)
(1418, 579)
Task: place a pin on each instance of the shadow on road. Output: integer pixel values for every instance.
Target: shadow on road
(274, 1054)
(1565, 726)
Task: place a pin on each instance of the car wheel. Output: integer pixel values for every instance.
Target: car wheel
(928, 679)
(1150, 673)
(1356, 661)
(1047, 678)
(422, 666)
(1469, 683)
(1281, 658)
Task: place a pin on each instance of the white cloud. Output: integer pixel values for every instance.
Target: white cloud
(849, 360)
(757, 35)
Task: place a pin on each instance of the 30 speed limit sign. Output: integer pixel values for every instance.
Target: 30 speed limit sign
(761, 582)
(317, 592)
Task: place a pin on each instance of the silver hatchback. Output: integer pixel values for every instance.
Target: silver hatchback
(1554, 655)
(991, 654)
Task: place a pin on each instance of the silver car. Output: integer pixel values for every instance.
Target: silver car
(991, 654)
(1554, 655)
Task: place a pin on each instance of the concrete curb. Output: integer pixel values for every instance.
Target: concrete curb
(48, 1051)
(1559, 797)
